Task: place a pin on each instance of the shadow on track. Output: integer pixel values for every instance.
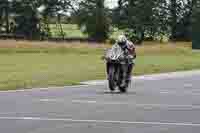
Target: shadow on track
(116, 93)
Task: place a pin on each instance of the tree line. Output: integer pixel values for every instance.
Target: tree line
(140, 19)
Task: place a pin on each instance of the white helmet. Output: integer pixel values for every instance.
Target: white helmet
(122, 39)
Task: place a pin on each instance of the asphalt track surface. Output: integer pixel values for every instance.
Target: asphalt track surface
(162, 105)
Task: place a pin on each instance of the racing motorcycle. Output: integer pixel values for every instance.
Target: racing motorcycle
(117, 68)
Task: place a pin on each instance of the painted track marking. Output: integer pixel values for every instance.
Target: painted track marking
(163, 106)
(100, 121)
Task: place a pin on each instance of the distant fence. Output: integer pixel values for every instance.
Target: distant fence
(55, 39)
(11, 36)
(74, 39)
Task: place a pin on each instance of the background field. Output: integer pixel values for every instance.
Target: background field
(42, 64)
(70, 30)
(73, 31)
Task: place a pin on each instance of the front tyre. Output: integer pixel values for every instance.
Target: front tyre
(111, 78)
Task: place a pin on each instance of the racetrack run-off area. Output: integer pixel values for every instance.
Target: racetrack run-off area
(154, 104)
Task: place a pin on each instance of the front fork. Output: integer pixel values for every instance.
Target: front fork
(108, 65)
(107, 69)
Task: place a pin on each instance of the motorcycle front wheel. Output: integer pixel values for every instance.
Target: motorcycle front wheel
(111, 78)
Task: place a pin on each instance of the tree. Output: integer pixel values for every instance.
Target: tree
(180, 21)
(195, 24)
(26, 18)
(32, 17)
(93, 16)
(173, 10)
(4, 14)
(161, 19)
(140, 18)
(53, 10)
(154, 18)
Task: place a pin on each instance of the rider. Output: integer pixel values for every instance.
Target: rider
(130, 51)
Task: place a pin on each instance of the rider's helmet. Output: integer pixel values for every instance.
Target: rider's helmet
(122, 40)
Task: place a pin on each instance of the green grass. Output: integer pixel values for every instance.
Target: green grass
(31, 67)
(70, 30)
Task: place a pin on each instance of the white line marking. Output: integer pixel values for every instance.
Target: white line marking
(100, 121)
(44, 89)
(188, 85)
(139, 105)
(179, 92)
(182, 93)
(50, 100)
(164, 92)
(163, 106)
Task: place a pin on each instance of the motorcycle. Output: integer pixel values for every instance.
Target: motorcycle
(117, 68)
